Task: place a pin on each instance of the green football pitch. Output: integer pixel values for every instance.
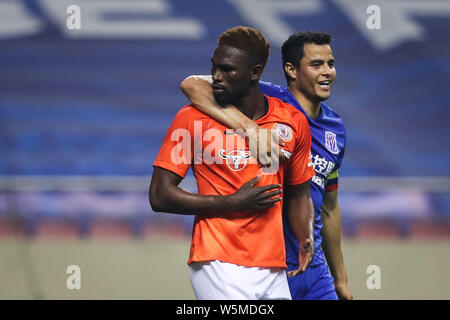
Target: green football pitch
(155, 268)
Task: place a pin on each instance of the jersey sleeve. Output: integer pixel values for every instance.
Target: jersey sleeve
(332, 181)
(300, 167)
(272, 90)
(176, 153)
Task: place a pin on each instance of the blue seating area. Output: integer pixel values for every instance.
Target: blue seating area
(73, 104)
(101, 106)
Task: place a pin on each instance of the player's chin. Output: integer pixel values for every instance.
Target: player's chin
(324, 95)
(222, 96)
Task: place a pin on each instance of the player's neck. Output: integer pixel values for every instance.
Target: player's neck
(252, 104)
(312, 108)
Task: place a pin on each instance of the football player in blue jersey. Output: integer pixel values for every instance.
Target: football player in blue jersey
(308, 64)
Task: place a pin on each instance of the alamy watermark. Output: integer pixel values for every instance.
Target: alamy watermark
(210, 147)
(374, 20)
(374, 280)
(74, 280)
(73, 21)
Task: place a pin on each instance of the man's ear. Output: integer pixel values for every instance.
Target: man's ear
(256, 72)
(291, 70)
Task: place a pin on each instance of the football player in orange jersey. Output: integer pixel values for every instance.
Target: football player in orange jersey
(237, 249)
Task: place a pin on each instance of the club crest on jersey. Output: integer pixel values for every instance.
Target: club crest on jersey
(237, 159)
(331, 142)
(283, 131)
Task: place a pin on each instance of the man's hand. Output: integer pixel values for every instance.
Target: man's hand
(343, 291)
(249, 197)
(264, 144)
(305, 257)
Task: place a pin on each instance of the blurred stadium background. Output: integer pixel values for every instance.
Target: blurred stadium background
(83, 113)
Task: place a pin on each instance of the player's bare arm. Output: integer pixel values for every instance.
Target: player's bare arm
(331, 234)
(301, 217)
(165, 195)
(197, 89)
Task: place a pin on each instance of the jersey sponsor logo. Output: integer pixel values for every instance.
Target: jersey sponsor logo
(322, 166)
(319, 181)
(237, 159)
(284, 132)
(331, 142)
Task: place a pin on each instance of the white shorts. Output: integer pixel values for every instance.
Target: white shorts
(216, 280)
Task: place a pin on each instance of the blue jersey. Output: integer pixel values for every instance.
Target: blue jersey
(327, 149)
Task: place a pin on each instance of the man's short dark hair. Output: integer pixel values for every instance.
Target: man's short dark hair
(292, 49)
(248, 39)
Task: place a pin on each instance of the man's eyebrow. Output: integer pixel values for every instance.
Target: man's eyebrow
(224, 65)
(320, 61)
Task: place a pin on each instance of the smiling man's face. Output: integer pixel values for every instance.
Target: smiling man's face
(316, 72)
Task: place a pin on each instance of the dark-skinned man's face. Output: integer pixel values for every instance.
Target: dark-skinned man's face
(231, 74)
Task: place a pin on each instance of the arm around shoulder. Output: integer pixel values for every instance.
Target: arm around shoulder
(197, 88)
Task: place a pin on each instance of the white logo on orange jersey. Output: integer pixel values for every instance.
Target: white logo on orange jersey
(237, 159)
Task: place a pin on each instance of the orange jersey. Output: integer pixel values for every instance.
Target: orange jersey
(222, 163)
